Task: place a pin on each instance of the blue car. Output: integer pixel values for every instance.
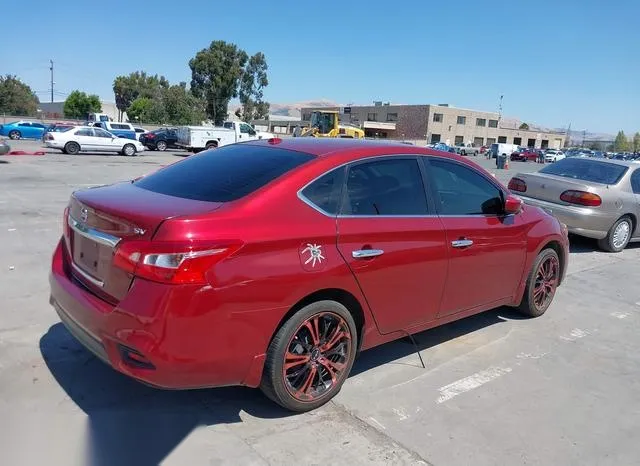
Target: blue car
(23, 130)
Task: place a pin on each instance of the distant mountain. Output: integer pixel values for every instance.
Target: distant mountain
(293, 109)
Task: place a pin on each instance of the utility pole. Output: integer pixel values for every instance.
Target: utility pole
(584, 136)
(500, 108)
(51, 69)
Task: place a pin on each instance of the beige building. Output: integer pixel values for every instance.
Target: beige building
(441, 123)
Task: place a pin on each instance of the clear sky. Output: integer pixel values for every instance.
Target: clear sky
(556, 62)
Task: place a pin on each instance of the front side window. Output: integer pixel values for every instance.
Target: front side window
(25, 124)
(325, 192)
(461, 191)
(385, 187)
(100, 133)
(84, 132)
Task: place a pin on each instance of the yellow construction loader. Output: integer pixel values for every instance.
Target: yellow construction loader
(325, 124)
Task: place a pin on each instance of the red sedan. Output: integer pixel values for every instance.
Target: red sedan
(272, 263)
(526, 155)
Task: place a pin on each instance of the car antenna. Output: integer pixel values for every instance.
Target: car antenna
(413, 340)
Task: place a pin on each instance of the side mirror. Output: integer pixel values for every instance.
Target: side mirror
(512, 205)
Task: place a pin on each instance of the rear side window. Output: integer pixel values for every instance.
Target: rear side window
(587, 170)
(385, 187)
(224, 174)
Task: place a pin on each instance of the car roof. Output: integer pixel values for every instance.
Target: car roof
(322, 147)
(624, 163)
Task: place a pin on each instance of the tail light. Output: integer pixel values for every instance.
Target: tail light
(171, 262)
(49, 137)
(518, 185)
(581, 198)
(149, 135)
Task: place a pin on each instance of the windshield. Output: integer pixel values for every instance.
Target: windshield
(587, 170)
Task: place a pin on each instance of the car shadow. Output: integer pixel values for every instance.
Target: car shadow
(130, 423)
(581, 244)
(398, 349)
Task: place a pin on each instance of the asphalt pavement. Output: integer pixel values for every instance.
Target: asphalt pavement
(561, 389)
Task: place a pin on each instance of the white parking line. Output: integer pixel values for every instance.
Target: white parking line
(472, 382)
(375, 421)
(620, 315)
(575, 334)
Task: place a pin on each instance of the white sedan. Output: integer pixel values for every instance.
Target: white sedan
(553, 155)
(88, 139)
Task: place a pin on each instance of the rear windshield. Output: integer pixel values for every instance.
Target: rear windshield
(587, 170)
(225, 174)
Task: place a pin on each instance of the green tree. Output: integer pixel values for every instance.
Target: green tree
(215, 74)
(78, 104)
(636, 142)
(620, 144)
(182, 107)
(147, 110)
(524, 126)
(252, 84)
(16, 98)
(137, 84)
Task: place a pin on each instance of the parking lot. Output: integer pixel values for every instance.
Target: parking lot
(498, 389)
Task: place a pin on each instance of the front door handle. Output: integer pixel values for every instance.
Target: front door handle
(365, 253)
(461, 243)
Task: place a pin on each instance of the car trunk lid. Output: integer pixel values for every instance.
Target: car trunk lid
(550, 187)
(101, 218)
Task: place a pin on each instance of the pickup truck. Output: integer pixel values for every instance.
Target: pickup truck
(467, 149)
(198, 138)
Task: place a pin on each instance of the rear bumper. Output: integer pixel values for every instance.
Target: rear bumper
(163, 326)
(583, 221)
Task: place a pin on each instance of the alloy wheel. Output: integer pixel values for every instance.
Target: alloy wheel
(546, 282)
(317, 357)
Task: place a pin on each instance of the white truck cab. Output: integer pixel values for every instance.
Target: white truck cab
(198, 138)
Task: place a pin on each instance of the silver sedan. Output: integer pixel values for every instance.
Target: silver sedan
(596, 198)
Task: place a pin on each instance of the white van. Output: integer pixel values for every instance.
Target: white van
(503, 149)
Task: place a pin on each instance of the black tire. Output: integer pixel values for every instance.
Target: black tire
(161, 146)
(72, 148)
(129, 150)
(211, 145)
(532, 305)
(618, 236)
(274, 385)
(15, 134)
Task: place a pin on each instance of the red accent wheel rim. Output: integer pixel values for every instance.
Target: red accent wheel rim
(317, 356)
(546, 282)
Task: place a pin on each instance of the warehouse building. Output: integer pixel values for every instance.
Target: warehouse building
(440, 123)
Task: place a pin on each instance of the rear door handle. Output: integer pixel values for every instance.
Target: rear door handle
(461, 243)
(365, 253)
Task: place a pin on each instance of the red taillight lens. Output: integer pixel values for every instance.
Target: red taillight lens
(49, 137)
(175, 263)
(581, 198)
(149, 135)
(518, 185)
